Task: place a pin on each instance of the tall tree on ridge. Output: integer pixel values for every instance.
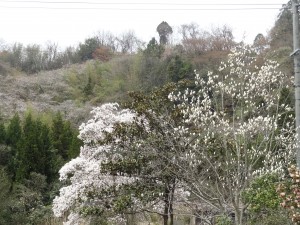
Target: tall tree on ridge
(164, 30)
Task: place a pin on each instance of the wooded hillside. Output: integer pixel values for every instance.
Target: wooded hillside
(45, 94)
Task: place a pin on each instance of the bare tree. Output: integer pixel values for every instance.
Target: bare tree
(107, 39)
(197, 41)
(16, 56)
(194, 40)
(3, 45)
(260, 43)
(50, 56)
(189, 31)
(222, 38)
(128, 42)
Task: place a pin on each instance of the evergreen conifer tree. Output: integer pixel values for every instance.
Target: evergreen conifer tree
(74, 148)
(2, 133)
(62, 136)
(27, 150)
(34, 151)
(13, 139)
(14, 131)
(57, 133)
(44, 148)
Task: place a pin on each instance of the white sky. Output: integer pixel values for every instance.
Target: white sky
(69, 22)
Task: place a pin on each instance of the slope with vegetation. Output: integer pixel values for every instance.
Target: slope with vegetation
(51, 92)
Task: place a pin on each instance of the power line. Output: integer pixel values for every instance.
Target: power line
(139, 9)
(142, 9)
(142, 3)
(122, 6)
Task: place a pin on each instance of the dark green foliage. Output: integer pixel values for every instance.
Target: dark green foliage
(5, 156)
(34, 147)
(87, 49)
(64, 138)
(88, 89)
(156, 71)
(25, 201)
(223, 220)
(152, 73)
(13, 139)
(14, 131)
(274, 217)
(264, 202)
(2, 133)
(57, 135)
(179, 69)
(5, 185)
(74, 147)
(154, 49)
(29, 168)
(33, 150)
(46, 156)
(262, 195)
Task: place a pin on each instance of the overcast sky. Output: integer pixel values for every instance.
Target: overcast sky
(69, 22)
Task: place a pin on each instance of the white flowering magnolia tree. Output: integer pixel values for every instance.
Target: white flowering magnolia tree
(119, 170)
(210, 140)
(239, 127)
(83, 175)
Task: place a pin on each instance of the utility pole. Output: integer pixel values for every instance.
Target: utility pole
(296, 55)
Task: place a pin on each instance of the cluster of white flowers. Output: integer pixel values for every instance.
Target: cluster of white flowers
(83, 173)
(240, 106)
(230, 129)
(103, 121)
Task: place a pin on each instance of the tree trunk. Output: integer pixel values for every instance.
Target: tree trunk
(168, 200)
(171, 216)
(166, 210)
(166, 216)
(238, 216)
(171, 199)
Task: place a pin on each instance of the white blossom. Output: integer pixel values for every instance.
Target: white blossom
(82, 174)
(236, 115)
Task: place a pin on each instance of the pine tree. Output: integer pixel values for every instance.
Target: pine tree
(88, 89)
(74, 148)
(13, 139)
(34, 151)
(2, 133)
(27, 150)
(57, 133)
(14, 131)
(62, 137)
(46, 154)
(66, 138)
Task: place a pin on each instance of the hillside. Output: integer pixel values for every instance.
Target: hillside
(75, 88)
(53, 93)
(45, 92)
